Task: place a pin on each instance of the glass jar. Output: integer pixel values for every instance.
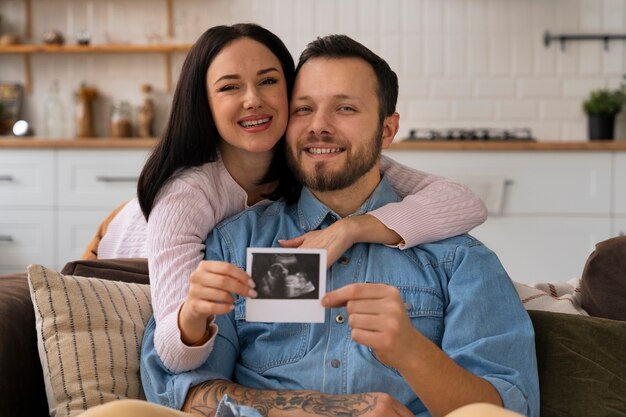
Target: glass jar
(121, 120)
(54, 114)
(145, 115)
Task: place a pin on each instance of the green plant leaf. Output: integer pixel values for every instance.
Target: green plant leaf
(604, 101)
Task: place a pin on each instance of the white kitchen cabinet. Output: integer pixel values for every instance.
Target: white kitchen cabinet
(619, 226)
(75, 229)
(53, 200)
(27, 178)
(26, 236)
(98, 179)
(619, 209)
(547, 210)
(543, 249)
(525, 182)
(620, 183)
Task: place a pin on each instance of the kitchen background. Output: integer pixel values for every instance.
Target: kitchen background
(461, 63)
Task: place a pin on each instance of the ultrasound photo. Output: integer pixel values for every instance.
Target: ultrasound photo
(286, 275)
(289, 284)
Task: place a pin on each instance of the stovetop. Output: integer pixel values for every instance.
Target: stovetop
(473, 134)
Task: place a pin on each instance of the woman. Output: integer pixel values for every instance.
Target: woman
(222, 152)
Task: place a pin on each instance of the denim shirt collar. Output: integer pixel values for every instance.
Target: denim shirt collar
(312, 212)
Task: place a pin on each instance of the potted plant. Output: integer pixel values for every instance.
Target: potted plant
(601, 107)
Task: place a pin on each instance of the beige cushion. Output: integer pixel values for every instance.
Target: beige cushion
(89, 335)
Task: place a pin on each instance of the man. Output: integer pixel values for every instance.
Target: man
(417, 332)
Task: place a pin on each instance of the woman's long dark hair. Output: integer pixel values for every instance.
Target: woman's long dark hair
(190, 137)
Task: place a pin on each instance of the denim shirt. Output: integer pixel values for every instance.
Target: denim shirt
(455, 292)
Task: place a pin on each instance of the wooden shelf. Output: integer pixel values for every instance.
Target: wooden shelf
(18, 49)
(93, 49)
(28, 49)
(78, 143)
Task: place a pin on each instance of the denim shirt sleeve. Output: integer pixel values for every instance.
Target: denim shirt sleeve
(229, 408)
(487, 330)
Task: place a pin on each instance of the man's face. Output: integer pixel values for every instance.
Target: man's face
(334, 134)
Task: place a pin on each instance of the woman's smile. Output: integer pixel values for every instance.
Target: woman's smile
(256, 123)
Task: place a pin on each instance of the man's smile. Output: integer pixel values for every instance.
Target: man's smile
(321, 151)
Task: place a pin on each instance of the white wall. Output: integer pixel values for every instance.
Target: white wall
(460, 62)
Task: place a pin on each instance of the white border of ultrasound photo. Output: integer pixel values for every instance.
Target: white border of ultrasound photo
(295, 304)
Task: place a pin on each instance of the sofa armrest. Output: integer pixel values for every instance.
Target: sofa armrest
(22, 391)
(582, 365)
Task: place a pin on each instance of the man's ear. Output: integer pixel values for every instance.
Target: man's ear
(391, 124)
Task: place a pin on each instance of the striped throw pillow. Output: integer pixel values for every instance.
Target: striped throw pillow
(89, 335)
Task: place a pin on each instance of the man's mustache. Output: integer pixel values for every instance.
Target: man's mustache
(313, 138)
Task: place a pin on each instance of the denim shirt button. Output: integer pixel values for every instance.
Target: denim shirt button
(335, 363)
(339, 319)
(408, 306)
(344, 260)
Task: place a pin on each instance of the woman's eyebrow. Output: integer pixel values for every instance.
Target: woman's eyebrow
(237, 76)
(265, 71)
(227, 77)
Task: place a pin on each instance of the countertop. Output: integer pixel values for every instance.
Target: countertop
(97, 143)
(426, 145)
(423, 145)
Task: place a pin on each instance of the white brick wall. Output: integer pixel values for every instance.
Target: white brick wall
(460, 62)
(516, 110)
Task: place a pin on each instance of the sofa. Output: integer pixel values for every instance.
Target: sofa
(582, 360)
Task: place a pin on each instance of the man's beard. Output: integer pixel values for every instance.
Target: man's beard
(357, 165)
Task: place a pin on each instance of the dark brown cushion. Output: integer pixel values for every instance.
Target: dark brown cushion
(603, 283)
(582, 365)
(126, 270)
(22, 391)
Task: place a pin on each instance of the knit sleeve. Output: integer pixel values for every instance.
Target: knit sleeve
(433, 207)
(177, 228)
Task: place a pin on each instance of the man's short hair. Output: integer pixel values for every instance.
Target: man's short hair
(342, 46)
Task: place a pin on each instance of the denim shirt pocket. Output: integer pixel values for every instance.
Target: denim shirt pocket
(424, 307)
(264, 346)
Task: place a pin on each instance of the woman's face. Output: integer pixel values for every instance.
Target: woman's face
(248, 96)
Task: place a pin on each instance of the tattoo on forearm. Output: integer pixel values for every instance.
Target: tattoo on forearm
(203, 400)
(325, 405)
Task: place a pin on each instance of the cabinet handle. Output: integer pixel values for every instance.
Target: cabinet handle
(117, 179)
(6, 177)
(6, 238)
(506, 184)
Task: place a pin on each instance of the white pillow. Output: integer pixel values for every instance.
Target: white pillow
(89, 335)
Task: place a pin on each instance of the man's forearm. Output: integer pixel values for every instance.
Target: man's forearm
(441, 383)
(203, 400)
